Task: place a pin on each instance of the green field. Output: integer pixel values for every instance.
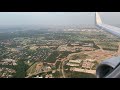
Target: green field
(78, 56)
(52, 58)
(70, 74)
(112, 46)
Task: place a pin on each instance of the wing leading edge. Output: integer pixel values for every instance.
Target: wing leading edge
(111, 29)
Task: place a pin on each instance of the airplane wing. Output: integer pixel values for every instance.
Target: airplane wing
(109, 68)
(111, 29)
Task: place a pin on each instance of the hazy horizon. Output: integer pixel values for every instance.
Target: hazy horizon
(56, 18)
(45, 18)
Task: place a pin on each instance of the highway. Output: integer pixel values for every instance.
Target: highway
(63, 62)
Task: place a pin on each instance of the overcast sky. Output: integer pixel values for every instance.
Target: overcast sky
(56, 18)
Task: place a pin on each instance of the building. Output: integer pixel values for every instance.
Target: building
(74, 63)
(8, 62)
(88, 64)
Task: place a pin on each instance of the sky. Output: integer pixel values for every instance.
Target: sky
(56, 18)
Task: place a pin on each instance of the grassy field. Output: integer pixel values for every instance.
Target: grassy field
(52, 58)
(113, 46)
(71, 74)
(75, 56)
